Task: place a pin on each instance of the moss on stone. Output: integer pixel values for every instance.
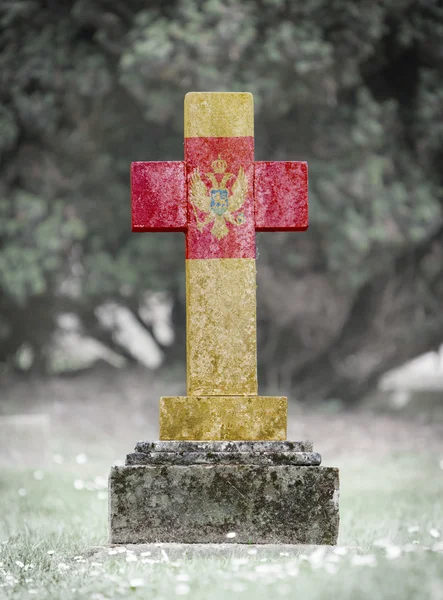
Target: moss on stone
(200, 503)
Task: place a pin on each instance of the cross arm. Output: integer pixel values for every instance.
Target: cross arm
(281, 196)
(158, 196)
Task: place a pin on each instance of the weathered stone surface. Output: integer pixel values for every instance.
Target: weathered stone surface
(223, 418)
(199, 503)
(223, 446)
(235, 458)
(221, 326)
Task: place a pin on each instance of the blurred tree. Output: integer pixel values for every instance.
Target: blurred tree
(354, 88)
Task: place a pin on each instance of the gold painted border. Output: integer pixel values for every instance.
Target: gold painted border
(219, 114)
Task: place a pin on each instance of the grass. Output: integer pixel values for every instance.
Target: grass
(391, 510)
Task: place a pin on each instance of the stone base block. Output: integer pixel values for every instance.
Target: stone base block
(202, 503)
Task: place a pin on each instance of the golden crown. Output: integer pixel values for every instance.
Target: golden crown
(219, 165)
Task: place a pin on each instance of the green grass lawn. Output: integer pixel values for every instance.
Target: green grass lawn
(391, 509)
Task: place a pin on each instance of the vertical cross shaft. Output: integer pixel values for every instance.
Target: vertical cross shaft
(220, 245)
(219, 197)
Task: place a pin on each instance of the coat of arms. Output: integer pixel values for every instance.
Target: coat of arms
(220, 204)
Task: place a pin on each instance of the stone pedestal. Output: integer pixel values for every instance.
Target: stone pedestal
(198, 492)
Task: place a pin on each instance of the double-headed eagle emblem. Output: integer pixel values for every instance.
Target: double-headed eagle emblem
(219, 205)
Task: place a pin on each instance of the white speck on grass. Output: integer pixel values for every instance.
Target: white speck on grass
(365, 560)
(182, 577)
(10, 579)
(39, 475)
(393, 552)
(81, 459)
(136, 583)
(434, 533)
(149, 561)
(32, 591)
(112, 551)
(121, 550)
(79, 484)
(284, 553)
(231, 535)
(331, 568)
(63, 567)
(22, 492)
(340, 551)
(131, 557)
(102, 495)
(164, 555)
(50, 552)
(317, 557)
(413, 529)
(252, 551)
(145, 554)
(58, 459)
(182, 589)
(20, 564)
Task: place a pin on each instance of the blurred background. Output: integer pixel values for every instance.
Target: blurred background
(353, 88)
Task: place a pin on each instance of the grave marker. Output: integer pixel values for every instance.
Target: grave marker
(222, 463)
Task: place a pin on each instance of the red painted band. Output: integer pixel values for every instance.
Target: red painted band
(220, 187)
(158, 196)
(281, 196)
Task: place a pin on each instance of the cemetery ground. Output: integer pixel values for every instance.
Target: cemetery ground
(53, 516)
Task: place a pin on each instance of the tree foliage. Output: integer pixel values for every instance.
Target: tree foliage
(354, 88)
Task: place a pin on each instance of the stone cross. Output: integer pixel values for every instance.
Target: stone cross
(219, 197)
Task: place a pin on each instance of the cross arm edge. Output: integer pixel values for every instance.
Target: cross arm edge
(274, 183)
(158, 196)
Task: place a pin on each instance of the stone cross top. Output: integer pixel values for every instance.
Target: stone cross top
(219, 197)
